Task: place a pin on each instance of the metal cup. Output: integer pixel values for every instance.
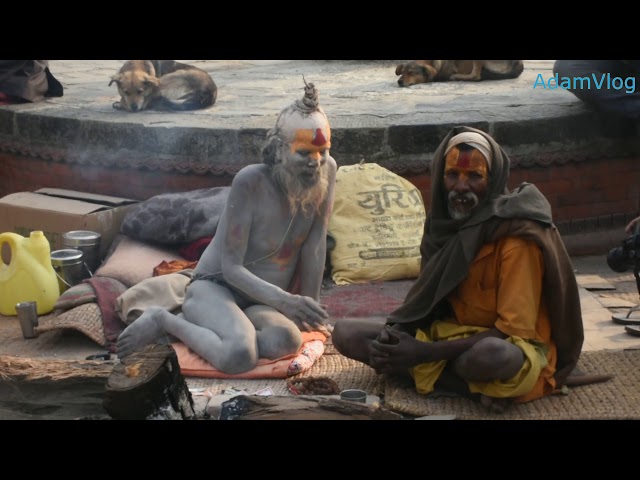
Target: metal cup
(28, 316)
(354, 395)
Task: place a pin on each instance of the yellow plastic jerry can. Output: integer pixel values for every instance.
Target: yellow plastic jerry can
(29, 275)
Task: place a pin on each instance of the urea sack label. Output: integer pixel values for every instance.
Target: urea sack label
(377, 222)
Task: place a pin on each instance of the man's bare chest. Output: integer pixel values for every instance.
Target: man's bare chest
(279, 232)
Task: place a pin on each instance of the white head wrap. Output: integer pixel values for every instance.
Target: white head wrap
(474, 140)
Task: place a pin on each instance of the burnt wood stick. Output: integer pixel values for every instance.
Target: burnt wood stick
(148, 385)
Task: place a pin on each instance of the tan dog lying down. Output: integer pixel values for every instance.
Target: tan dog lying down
(424, 71)
(163, 85)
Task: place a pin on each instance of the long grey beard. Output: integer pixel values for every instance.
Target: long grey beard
(298, 194)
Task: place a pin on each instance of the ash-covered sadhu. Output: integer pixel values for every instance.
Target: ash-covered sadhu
(257, 285)
(495, 312)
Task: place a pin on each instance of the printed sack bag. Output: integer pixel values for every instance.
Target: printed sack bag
(377, 222)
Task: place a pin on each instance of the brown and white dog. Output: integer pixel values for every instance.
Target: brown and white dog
(425, 71)
(163, 85)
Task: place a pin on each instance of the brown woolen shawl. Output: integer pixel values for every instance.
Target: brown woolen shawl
(449, 246)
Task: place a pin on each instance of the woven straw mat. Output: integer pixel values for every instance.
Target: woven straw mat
(618, 398)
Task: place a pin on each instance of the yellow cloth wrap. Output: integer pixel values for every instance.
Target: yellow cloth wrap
(426, 374)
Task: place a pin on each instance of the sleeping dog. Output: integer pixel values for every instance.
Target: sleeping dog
(424, 71)
(163, 85)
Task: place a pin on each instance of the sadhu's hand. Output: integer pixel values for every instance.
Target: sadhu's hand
(385, 337)
(307, 314)
(398, 353)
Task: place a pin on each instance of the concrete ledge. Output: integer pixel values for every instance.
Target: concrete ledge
(372, 118)
(588, 165)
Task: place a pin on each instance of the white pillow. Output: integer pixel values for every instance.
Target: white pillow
(132, 261)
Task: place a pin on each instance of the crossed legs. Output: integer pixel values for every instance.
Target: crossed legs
(489, 359)
(215, 327)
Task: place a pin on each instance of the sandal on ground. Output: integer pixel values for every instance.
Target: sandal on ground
(631, 330)
(628, 319)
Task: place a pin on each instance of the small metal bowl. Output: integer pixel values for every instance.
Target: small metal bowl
(354, 395)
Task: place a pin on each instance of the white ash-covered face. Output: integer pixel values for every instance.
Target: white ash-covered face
(306, 141)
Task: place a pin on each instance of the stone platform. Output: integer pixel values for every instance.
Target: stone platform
(585, 163)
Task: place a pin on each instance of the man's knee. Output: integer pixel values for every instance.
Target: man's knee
(352, 337)
(490, 359)
(339, 336)
(278, 341)
(240, 357)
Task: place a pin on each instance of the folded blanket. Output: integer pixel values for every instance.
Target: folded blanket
(107, 291)
(166, 291)
(89, 308)
(176, 218)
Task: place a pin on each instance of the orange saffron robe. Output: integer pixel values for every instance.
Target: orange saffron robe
(504, 290)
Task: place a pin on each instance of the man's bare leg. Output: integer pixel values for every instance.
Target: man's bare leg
(216, 329)
(490, 359)
(277, 336)
(353, 336)
(234, 347)
(153, 326)
(156, 322)
(144, 330)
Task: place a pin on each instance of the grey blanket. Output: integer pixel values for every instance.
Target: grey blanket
(176, 218)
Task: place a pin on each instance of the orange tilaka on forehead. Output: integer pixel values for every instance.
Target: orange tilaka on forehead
(309, 139)
(466, 161)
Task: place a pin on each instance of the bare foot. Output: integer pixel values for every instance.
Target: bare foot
(143, 331)
(495, 405)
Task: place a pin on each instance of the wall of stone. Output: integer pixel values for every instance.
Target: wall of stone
(588, 194)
